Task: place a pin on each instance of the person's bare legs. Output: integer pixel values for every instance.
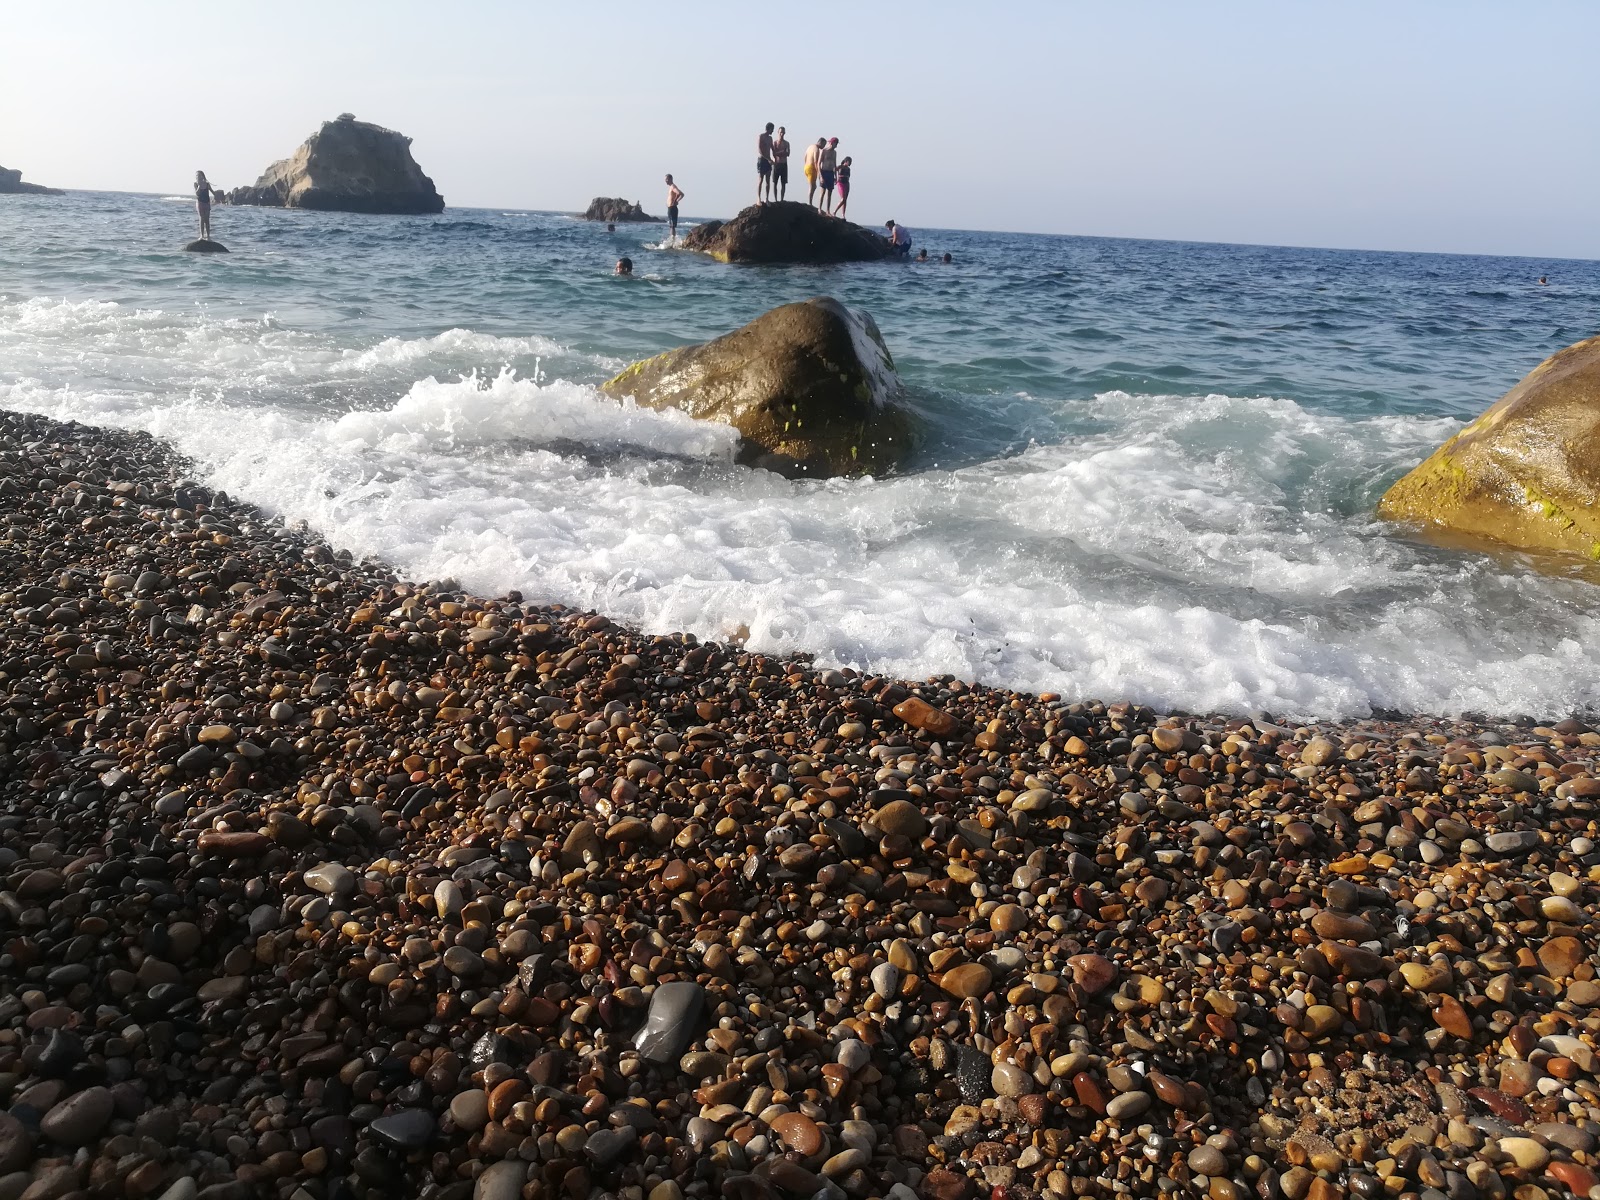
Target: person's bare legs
(205, 224)
(844, 203)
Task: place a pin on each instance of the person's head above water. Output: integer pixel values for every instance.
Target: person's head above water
(611, 227)
(922, 255)
(624, 267)
(946, 257)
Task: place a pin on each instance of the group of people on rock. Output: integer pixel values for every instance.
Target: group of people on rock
(827, 175)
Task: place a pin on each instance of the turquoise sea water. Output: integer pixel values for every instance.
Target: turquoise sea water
(1151, 477)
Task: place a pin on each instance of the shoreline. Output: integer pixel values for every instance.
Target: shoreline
(317, 879)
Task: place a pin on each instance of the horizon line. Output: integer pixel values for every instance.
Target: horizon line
(1102, 237)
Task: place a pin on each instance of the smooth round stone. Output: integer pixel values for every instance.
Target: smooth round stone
(331, 879)
(844, 1162)
(1167, 740)
(1008, 918)
(78, 1120)
(886, 980)
(606, 1146)
(406, 1129)
(458, 960)
(800, 1133)
(447, 898)
(1128, 1104)
(901, 817)
(853, 1054)
(470, 1109)
(501, 1181)
(1525, 1152)
(967, 981)
(1208, 1160)
(1010, 1080)
(1560, 908)
(1320, 1019)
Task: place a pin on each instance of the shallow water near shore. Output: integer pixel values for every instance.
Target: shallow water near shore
(1151, 476)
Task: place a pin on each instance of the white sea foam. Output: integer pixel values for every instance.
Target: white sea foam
(1191, 552)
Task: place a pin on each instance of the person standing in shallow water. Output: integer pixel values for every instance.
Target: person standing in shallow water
(202, 204)
(674, 194)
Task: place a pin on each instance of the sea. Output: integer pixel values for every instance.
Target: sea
(1150, 477)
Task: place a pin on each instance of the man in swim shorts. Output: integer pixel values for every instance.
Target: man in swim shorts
(813, 153)
(674, 194)
(827, 165)
(780, 166)
(764, 164)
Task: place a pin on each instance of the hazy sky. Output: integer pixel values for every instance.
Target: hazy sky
(1411, 126)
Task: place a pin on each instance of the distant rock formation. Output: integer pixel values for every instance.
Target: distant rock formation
(786, 233)
(810, 387)
(1525, 474)
(615, 208)
(11, 184)
(347, 166)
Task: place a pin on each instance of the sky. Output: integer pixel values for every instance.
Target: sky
(1459, 127)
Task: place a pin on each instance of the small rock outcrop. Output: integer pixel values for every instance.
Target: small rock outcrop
(347, 166)
(810, 387)
(206, 246)
(786, 232)
(615, 208)
(1526, 473)
(11, 185)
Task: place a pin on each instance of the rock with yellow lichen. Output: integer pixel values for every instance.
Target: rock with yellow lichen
(1526, 474)
(811, 388)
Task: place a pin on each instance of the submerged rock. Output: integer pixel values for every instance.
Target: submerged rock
(11, 184)
(786, 233)
(347, 166)
(810, 386)
(206, 246)
(615, 208)
(1527, 472)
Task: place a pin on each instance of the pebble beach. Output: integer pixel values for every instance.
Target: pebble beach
(316, 882)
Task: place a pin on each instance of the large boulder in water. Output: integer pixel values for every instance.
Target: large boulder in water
(11, 185)
(347, 166)
(786, 233)
(811, 388)
(1527, 472)
(615, 208)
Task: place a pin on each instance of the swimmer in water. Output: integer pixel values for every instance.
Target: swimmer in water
(610, 228)
(1543, 282)
(922, 255)
(947, 257)
(624, 267)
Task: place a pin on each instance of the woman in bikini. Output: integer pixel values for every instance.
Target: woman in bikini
(842, 182)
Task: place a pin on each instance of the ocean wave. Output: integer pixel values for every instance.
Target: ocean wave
(1202, 552)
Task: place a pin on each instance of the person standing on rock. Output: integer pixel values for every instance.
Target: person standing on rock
(827, 167)
(844, 187)
(202, 204)
(813, 155)
(674, 194)
(780, 165)
(764, 165)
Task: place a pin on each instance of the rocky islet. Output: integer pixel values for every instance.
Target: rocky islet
(317, 883)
